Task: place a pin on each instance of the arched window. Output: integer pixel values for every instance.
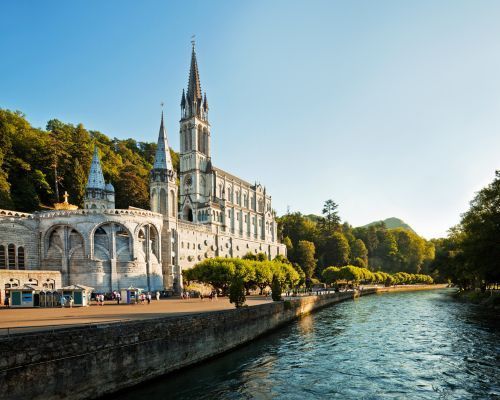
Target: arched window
(3, 258)
(12, 256)
(20, 258)
(100, 231)
(205, 141)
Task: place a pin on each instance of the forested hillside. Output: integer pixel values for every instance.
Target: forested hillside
(33, 159)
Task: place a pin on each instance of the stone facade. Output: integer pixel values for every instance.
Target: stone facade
(211, 214)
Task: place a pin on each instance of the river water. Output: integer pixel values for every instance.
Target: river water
(413, 345)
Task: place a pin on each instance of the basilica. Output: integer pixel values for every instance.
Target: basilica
(202, 213)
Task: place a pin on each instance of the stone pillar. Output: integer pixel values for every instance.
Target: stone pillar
(113, 279)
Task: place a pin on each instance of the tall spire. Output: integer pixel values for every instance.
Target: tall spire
(162, 157)
(194, 87)
(96, 178)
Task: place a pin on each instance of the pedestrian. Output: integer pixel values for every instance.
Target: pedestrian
(102, 299)
(215, 295)
(210, 296)
(71, 301)
(63, 301)
(143, 298)
(118, 297)
(157, 295)
(148, 297)
(201, 296)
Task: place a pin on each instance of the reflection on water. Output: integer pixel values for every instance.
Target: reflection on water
(420, 345)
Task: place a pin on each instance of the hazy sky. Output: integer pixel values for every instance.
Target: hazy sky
(391, 108)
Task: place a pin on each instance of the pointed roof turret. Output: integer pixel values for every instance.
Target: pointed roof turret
(194, 87)
(96, 177)
(162, 157)
(205, 102)
(183, 99)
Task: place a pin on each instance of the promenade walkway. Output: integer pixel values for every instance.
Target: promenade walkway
(17, 320)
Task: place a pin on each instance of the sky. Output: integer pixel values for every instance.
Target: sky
(390, 108)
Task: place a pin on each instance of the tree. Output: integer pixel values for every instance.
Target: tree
(304, 255)
(330, 213)
(237, 292)
(336, 250)
(359, 250)
(331, 275)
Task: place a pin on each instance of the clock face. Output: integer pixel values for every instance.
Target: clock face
(188, 181)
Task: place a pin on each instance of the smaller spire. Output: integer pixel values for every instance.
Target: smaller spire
(183, 99)
(96, 177)
(205, 102)
(162, 157)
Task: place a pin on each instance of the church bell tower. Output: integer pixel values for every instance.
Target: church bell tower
(195, 177)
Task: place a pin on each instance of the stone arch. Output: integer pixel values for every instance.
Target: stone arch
(21, 258)
(11, 256)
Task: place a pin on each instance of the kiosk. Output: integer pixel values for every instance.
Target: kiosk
(25, 296)
(81, 294)
(130, 295)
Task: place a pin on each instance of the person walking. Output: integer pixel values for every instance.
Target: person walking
(63, 301)
(157, 295)
(148, 297)
(118, 297)
(71, 301)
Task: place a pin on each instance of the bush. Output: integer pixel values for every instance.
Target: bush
(237, 292)
(276, 289)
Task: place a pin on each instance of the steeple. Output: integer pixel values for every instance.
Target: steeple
(194, 87)
(96, 178)
(162, 157)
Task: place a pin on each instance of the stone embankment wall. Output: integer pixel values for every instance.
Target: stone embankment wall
(88, 362)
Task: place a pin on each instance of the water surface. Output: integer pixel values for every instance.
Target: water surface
(414, 345)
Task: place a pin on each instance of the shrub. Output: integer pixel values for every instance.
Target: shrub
(237, 292)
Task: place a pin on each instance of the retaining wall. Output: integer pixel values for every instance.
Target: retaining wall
(88, 362)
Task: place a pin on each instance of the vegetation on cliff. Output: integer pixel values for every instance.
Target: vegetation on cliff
(32, 160)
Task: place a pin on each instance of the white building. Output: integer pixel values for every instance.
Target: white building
(212, 213)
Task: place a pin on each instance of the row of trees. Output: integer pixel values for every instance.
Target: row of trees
(315, 242)
(470, 255)
(353, 274)
(221, 272)
(37, 165)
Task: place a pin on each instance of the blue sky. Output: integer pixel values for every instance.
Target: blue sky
(391, 108)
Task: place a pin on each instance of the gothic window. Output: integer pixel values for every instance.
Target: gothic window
(205, 141)
(237, 195)
(3, 261)
(20, 258)
(12, 256)
(245, 200)
(261, 205)
(200, 139)
(100, 231)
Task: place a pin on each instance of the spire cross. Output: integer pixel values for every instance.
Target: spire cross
(193, 42)
(66, 195)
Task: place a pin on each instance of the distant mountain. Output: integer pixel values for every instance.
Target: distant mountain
(391, 223)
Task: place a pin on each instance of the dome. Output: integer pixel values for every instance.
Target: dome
(109, 187)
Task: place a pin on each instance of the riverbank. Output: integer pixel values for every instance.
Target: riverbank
(91, 361)
(489, 298)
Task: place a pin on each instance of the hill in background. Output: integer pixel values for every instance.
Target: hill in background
(391, 223)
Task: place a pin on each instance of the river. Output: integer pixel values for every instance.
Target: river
(412, 345)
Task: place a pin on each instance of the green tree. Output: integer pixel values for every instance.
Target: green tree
(330, 213)
(304, 254)
(237, 292)
(276, 289)
(336, 250)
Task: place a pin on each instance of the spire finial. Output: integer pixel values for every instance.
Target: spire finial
(193, 41)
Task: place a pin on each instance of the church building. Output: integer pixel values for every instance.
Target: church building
(209, 213)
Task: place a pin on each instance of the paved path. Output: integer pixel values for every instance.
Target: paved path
(35, 319)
